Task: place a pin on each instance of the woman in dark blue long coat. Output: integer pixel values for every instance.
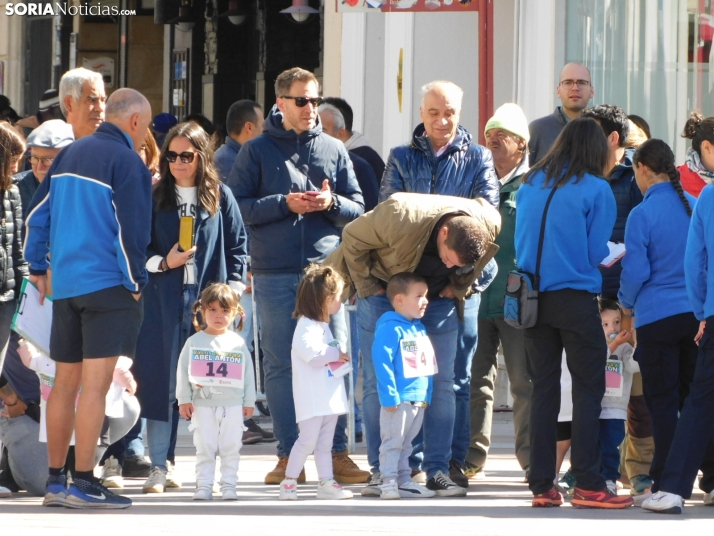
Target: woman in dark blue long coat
(189, 186)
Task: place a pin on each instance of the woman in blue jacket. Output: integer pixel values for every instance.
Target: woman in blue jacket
(189, 186)
(653, 282)
(578, 225)
(653, 285)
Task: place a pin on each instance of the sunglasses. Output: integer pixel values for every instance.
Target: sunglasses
(301, 102)
(186, 157)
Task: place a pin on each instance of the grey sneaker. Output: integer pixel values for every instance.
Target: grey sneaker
(111, 474)
(372, 487)
(156, 483)
(172, 481)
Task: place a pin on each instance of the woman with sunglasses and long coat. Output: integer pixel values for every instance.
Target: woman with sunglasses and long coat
(189, 187)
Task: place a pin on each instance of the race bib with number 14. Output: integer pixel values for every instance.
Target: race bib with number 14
(418, 357)
(215, 367)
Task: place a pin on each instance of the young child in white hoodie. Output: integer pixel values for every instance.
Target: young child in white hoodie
(215, 388)
(318, 388)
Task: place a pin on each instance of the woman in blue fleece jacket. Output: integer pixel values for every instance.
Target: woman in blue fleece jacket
(653, 284)
(663, 252)
(578, 225)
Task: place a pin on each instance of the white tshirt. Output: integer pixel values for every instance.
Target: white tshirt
(187, 200)
(316, 392)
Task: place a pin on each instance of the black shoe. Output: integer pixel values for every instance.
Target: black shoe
(444, 486)
(358, 437)
(135, 467)
(456, 474)
(252, 426)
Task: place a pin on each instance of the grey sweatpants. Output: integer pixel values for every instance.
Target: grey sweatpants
(397, 430)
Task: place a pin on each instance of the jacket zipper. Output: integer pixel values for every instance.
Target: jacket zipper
(302, 216)
(433, 175)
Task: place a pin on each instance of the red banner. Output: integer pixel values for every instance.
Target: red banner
(406, 6)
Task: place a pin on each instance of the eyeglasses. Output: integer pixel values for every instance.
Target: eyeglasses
(301, 102)
(186, 157)
(568, 84)
(46, 161)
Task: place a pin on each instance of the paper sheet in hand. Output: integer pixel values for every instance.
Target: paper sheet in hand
(32, 320)
(617, 251)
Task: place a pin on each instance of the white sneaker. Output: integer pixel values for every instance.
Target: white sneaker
(331, 490)
(612, 486)
(412, 490)
(288, 490)
(389, 491)
(172, 480)
(664, 503)
(229, 494)
(203, 494)
(4, 492)
(156, 483)
(372, 487)
(111, 474)
(708, 499)
(641, 498)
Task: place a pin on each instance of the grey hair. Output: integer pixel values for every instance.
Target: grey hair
(451, 90)
(124, 103)
(336, 113)
(72, 83)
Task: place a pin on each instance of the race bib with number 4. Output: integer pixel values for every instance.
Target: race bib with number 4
(214, 367)
(418, 357)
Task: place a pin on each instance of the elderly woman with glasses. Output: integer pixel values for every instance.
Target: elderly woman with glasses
(189, 188)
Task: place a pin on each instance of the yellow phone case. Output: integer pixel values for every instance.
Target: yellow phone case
(186, 233)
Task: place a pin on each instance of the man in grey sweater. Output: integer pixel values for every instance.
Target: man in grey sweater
(574, 91)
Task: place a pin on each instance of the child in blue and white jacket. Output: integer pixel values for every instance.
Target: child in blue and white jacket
(404, 363)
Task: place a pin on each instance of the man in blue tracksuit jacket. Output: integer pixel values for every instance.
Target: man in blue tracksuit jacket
(443, 159)
(91, 217)
(296, 189)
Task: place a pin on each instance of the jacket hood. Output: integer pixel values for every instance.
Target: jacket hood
(421, 141)
(274, 127)
(356, 141)
(393, 316)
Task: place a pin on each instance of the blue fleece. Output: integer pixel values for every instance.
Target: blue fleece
(93, 214)
(579, 223)
(699, 256)
(652, 280)
(393, 388)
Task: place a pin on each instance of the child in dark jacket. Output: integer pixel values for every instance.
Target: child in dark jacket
(404, 364)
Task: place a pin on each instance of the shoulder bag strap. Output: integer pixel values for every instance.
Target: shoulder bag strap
(540, 239)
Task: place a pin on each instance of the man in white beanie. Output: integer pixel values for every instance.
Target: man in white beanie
(45, 142)
(507, 136)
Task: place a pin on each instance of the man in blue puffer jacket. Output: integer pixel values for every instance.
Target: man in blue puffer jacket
(296, 189)
(442, 158)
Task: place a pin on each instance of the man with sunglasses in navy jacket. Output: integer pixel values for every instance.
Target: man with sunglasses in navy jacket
(296, 190)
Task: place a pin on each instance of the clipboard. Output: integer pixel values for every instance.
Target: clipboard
(32, 320)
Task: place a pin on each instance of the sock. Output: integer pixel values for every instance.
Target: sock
(84, 475)
(56, 472)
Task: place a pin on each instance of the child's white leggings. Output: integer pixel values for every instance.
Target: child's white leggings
(316, 435)
(217, 431)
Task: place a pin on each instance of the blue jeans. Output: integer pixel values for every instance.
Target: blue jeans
(159, 432)
(355, 366)
(612, 433)
(275, 300)
(441, 324)
(465, 350)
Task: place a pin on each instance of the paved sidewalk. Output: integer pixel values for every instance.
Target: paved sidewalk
(499, 504)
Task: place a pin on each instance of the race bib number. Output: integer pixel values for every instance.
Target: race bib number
(214, 367)
(613, 377)
(46, 385)
(418, 357)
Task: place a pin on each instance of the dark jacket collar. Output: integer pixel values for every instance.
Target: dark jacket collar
(274, 128)
(113, 132)
(421, 142)
(233, 144)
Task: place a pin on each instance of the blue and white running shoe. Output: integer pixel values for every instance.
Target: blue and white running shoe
(84, 494)
(55, 491)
